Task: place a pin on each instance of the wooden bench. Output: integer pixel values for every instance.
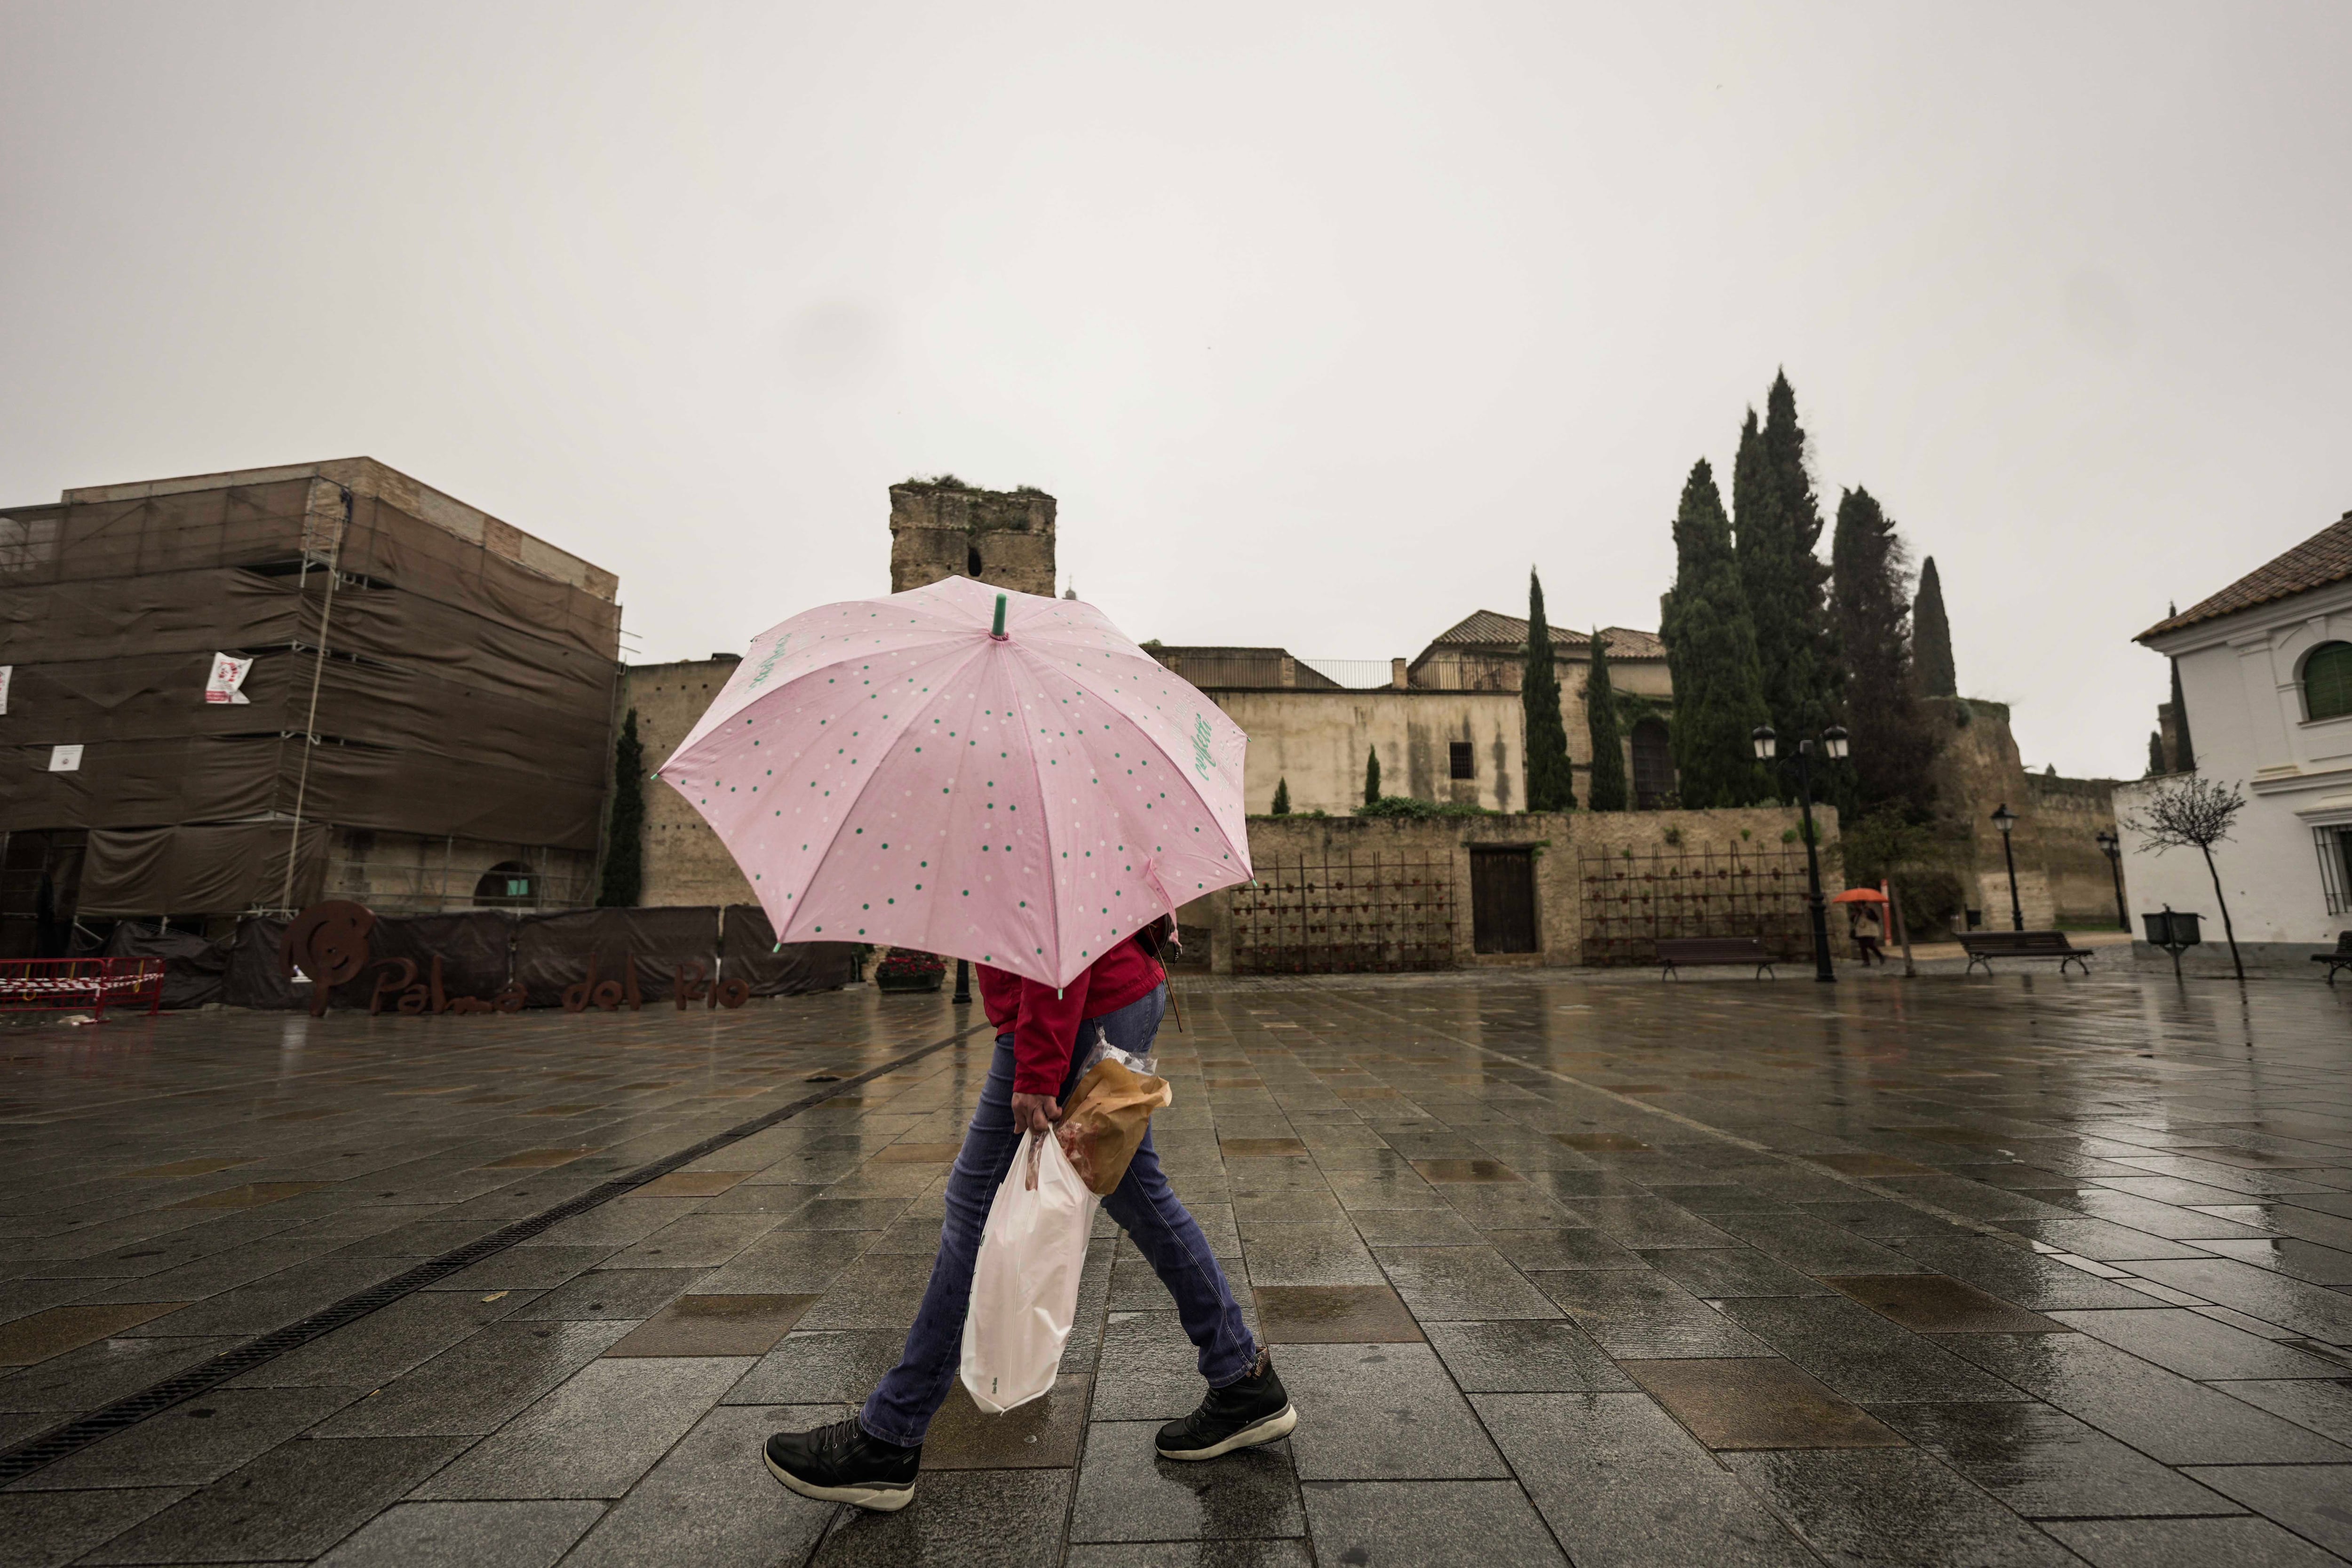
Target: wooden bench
(1984, 946)
(1676, 950)
(2340, 959)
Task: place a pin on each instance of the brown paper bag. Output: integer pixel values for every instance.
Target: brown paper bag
(1108, 1113)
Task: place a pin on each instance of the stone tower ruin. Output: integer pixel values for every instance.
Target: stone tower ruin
(941, 529)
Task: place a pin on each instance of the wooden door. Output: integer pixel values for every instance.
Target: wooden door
(1503, 901)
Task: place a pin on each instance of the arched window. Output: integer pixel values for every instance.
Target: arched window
(2328, 681)
(972, 563)
(507, 885)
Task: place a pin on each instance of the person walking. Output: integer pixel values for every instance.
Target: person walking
(871, 1459)
(1866, 932)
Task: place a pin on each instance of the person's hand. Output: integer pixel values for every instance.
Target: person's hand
(1035, 1112)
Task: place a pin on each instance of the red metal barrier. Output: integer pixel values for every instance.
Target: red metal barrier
(58, 984)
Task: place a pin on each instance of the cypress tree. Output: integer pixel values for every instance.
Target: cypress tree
(1711, 656)
(624, 839)
(1893, 747)
(2155, 754)
(1778, 523)
(1282, 797)
(1551, 779)
(1371, 775)
(1931, 636)
(1607, 792)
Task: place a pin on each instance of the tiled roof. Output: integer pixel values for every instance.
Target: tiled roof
(2325, 557)
(1488, 628)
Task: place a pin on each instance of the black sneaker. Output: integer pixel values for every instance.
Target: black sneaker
(1242, 1414)
(841, 1464)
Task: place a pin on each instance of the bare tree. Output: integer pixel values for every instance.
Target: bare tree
(2194, 814)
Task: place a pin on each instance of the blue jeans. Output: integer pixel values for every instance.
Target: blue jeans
(899, 1410)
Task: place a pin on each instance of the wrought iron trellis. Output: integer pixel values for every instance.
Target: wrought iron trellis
(1629, 902)
(1345, 914)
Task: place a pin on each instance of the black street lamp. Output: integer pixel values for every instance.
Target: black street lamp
(2006, 819)
(963, 996)
(2112, 846)
(1833, 746)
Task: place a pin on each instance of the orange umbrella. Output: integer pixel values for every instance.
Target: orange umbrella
(1860, 896)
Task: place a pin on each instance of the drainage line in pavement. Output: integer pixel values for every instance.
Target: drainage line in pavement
(79, 1433)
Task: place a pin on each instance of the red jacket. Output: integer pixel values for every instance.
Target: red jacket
(1045, 1025)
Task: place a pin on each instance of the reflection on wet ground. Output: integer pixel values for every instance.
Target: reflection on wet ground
(2013, 1271)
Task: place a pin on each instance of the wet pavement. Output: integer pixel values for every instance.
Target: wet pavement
(2022, 1271)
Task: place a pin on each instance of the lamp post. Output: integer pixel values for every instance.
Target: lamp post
(1833, 746)
(2006, 819)
(963, 997)
(2112, 846)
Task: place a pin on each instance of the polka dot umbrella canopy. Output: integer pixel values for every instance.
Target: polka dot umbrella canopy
(970, 772)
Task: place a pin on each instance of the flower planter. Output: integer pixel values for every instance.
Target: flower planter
(918, 980)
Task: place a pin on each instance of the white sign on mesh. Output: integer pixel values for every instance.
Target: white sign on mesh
(6, 671)
(228, 676)
(65, 759)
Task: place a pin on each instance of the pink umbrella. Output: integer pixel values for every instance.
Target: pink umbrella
(988, 775)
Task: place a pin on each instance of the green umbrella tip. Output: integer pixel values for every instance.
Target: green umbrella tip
(997, 631)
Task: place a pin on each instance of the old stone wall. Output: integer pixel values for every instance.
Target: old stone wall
(412, 874)
(1566, 844)
(1004, 538)
(2061, 875)
(685, 862)
(1317, 741)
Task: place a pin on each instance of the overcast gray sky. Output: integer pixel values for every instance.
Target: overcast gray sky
(1323, 323)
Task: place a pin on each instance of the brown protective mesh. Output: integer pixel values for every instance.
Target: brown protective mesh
(552, 952)
(748, 949)
(197, 869)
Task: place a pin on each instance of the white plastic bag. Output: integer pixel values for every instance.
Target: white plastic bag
(1025, 1287)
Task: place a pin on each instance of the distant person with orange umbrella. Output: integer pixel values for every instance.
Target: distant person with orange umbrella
(1864, 923)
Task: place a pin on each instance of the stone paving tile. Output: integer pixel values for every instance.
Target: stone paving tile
(1450, 1524)
(1384, 1411)
(44, 1529)
(476, 1385)
(594, 1434)
(1041, 1435)
(1622, 1486)
(2196, 1346)
(1892, 1507)
(2188, 1543)
(2043, 1463)
(194, 1443)
(1934, 1304)
(291, 1504)
(620, 1293)
(711, 1502)
(1523, 1357)
(1125, 1492)
(987, 1519)
(2308, 1499)
(1713, 1272)
(1737, 1401)
(2324, 1407)
(2169, 1417)
(40, 1335)
(1460, 1284)
(102, 1372)
(715, 1326)
(464, 1534)
(1646, 1314)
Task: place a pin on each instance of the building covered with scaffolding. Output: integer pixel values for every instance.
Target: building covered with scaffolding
(241, 692)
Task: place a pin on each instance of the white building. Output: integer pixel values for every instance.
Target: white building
(2266, 678)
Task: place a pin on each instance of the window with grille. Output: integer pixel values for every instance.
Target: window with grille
(2328, 681)
(1463, 758)
(2336, 866)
